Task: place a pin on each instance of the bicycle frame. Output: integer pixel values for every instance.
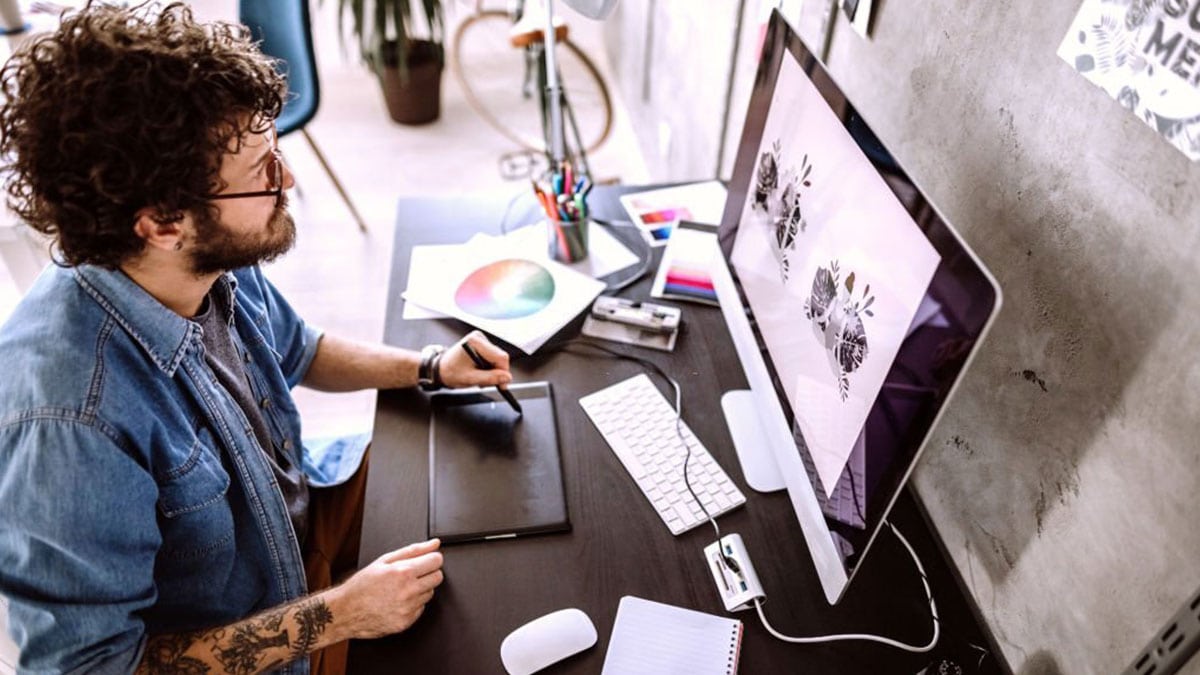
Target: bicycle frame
(536, 62)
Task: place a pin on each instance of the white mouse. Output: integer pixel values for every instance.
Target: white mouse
(546, 640)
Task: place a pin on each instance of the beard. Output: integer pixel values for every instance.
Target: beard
(218, 249)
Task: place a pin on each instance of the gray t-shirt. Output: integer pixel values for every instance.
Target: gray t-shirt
(226, 361)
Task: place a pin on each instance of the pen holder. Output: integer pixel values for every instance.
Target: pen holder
(568, 239)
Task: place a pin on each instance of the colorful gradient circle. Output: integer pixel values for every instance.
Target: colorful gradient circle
(506, 289)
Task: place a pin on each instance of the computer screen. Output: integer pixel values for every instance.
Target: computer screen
(855, 307)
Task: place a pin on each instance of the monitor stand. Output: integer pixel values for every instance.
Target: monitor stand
(753, 449)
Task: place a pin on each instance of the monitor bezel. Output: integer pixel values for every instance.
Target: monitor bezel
(780, 42)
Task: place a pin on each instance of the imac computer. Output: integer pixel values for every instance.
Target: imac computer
(853, 305)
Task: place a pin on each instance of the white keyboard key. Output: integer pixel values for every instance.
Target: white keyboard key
(639, 425)
(628, 457)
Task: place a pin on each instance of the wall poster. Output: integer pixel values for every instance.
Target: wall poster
(1146, 55)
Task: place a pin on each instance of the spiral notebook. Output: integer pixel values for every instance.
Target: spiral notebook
(650, 638)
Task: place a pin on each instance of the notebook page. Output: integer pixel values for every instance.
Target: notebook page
(656, 639)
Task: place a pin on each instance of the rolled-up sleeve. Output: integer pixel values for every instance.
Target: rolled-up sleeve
(78, 539)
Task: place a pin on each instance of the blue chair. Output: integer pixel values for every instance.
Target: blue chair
(283, 30)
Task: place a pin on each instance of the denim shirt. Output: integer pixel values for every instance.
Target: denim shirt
(134, 497)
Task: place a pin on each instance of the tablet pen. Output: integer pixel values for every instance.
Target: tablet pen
(482, 364)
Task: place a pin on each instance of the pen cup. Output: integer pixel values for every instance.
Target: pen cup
(568, 239)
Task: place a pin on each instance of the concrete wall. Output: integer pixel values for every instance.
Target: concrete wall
(1064, 478)
(671, 61)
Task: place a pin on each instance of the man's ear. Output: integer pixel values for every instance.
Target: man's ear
(158, 229)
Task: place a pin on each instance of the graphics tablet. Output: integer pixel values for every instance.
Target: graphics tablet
(494, 473)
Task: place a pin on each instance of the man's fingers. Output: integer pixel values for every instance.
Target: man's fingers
(416, 614)
(425, 597)
(431, 581)
(411, 551)
(487, 350)
(497, 378)
(495, 355)
(422, 565)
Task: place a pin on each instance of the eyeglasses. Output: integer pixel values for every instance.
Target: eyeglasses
(274, 189)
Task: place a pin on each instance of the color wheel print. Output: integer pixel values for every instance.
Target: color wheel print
(506, 289)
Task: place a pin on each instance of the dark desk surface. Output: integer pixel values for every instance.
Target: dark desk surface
(618, 546)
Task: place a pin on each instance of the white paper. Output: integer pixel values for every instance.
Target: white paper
(655, 212)
(424, 265)
(605, 253)
(833, 266)
(651, 638)
(572, 293)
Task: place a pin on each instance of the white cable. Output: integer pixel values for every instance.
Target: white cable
(869, 638)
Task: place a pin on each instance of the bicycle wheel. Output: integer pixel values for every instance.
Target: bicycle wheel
(492, 74)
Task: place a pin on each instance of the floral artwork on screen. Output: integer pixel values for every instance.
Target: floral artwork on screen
(837, 321)
(832, 265)
(776, 200)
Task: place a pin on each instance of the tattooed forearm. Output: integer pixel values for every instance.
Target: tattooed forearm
(243, 651)
(165, 654)
(262, 642)
(312, 617)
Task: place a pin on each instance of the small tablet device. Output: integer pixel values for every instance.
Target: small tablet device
(493, 473)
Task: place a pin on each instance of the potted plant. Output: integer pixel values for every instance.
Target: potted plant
(402, 42)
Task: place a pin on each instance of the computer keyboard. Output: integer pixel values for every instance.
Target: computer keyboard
(639, 425)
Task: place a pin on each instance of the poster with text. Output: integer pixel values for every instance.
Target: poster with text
(832, 266)
(1146, 55)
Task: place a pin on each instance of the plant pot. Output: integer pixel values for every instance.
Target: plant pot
(416, 97)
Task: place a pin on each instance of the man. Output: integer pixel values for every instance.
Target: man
(157, 510)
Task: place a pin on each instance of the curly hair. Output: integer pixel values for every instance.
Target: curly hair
(122, 109)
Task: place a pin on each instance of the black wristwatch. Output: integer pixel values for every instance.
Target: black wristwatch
(427, 372)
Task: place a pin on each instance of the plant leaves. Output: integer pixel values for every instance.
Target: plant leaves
(401, 18)
(377, 25)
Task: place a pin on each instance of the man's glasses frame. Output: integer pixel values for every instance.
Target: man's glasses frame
(275, 174)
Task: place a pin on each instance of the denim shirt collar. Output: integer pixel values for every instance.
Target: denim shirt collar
(164, 335)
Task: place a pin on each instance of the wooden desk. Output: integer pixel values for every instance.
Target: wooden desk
(618, 546)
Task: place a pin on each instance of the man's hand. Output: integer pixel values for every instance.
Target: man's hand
(390, 594)
(385, 597)
(457, 369)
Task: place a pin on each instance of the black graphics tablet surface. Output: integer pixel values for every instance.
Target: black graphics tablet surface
(494, 473)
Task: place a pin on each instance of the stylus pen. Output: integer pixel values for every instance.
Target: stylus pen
(482, 364)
